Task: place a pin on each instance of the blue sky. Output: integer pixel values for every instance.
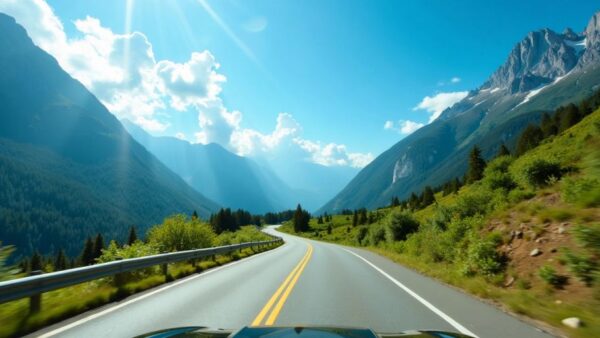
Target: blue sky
(341, 69)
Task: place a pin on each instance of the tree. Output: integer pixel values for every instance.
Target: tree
(399, 225)
(87, 255)
(427, 197)
(503, 151)
(362, 216)
(413, 201)
(570, 117)
(6, 271)
(60, 262)
(320, 220)
(529, 139)
(476, 165)
(35, 262)
(133, 235)
(178, 233)
(301, 219)
(355, 219)
(98, 246)
(194, 215)
(548, 126)
(395, 202)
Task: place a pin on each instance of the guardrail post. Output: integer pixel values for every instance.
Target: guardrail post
(35, 301)
(119, 278)
(165, 270)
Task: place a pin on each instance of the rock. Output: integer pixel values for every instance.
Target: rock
(561, 229)
(519, 234)
(509, 281)
(540, 240)
(535, 252)
(558, 302)
(572, 322)
(547, 224)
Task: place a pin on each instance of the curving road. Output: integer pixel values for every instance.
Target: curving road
(301, 282)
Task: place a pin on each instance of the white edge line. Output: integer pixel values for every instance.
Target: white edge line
(430, 306)
(163, 288)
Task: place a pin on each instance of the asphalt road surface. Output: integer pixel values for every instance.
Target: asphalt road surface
(303, 282)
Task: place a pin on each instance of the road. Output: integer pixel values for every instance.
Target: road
(301, 282)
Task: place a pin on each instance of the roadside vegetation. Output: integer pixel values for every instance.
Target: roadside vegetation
(178, 232)
(521, 229)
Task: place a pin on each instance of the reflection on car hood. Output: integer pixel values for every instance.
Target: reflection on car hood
(293, 332)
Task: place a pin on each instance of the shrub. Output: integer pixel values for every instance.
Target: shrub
(376, 234)
(6, 271)
(471, 203)
(539, 172)
(518, 195)
(247, 233)
(361, 234)
(483, 259)
(588, 236)
(581, 266)
(180, 233)
(583, 191)
(497, 175)
(137, 249)
(549, 275)
(399, 225)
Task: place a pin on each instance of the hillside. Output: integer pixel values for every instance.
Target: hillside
(543, 71)
(68, 169)
(526, 235)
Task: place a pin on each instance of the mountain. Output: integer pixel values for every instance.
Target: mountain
(231, 180)
(543, 71)
(68, 169)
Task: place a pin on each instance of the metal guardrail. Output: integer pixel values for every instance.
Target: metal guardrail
(35, 285)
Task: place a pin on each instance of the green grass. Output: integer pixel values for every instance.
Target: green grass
(58, 305)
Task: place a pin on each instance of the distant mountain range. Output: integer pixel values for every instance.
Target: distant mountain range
(543, 71)
(241, 182)
(68, 169)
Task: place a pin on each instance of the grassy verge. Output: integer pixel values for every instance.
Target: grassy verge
(58, 305)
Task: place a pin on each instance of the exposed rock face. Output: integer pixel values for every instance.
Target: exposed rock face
(537, 60)
(592, 42)
(403, 168)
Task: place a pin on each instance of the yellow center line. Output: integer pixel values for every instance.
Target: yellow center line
(295, 272)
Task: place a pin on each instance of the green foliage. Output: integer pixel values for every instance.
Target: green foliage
(87, 255)
(179, 233)
(482, 258)
(399, 225)
(361, 234)
(248, 233)
(529, 139)
(502, 151)
(6, 271)
(581, 266)
(588, 236)
(497, 175)
(539, 172)
(549, 275)
(132, 238)
(476, 165)
(60, 262)
(474, 202)
(301, 220)
(376, 234)
(582, 191)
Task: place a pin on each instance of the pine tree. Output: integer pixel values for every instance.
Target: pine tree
(503, 151)
(413, 201)
(98, 247)
(194, 215)
(355, 219)
(570, 117)
(87, 255)
(427, 197)
(300, 219)
(132, 236)
(35, 263)
(320, 220)
(476, 165)
(529, 139)
(60, 262)
(548, 126)
(362, 216)
(395, 202)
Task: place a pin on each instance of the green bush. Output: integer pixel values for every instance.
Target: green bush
(588, 236)
(539, 172)
(6, 271)
(518, 195)
(361, 234)
(137, 249)
(399, 225)
(483, 259)
(582, 191)
(581, 266)
(475, 202)
(179, 233)
(248, 233)
(497, 175)
(376, 234)
(549, 275)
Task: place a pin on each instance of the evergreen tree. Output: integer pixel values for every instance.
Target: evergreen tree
(395, 202)
(194, 215)
(60, 262)
(35, 262)
(132, 236)
(413, 201)
(98, 246)
(87, 255)
(427, 197)
(570, 117)
(548, 126)
(362, 216)
(503, 151)
(476, 165)
(529, 139)
(301, 219)
(320, 220)
(355, 219)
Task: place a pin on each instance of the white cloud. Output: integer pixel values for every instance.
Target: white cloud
(180, 136)
(435, 105)
(121, 70)
(404, 127)
(455, 79)
(256, 24)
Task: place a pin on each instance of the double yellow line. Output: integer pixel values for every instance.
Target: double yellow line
(288, 285)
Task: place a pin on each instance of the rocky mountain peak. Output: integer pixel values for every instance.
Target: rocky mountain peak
(592, 42)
